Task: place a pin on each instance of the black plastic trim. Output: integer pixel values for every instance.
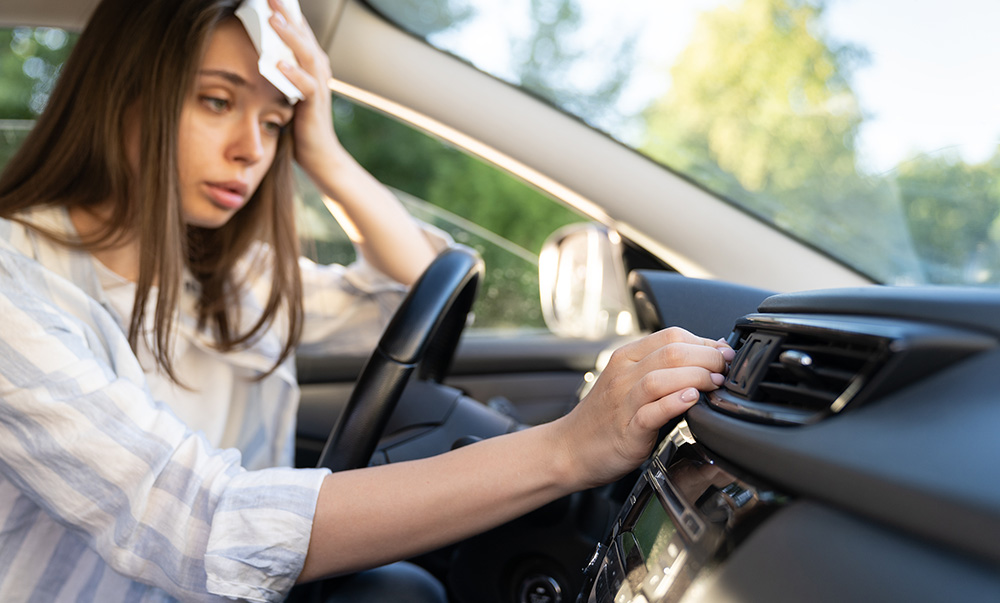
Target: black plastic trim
(923, 459)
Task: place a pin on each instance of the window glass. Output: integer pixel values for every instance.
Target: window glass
(500, 216)
(867, 129)
(30, 59)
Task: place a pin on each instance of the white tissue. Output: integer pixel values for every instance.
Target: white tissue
(255, 14)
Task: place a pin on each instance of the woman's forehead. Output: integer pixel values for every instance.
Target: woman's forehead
(231, 55)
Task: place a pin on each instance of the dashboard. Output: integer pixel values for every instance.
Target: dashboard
(851, 455)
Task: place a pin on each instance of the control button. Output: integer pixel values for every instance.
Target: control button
(613, 568)
(601, 585)
(540, 589)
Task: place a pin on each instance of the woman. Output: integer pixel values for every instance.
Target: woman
(151, 299)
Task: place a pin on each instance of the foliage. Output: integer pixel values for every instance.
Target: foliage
(29, 65)
(761, 111)
(583, 73)
(953, 211)
(424, 167)
(764, 94)
(30, 60)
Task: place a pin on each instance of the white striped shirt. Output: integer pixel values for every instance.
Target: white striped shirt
(106, 494)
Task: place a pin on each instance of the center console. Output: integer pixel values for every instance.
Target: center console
(684, 515)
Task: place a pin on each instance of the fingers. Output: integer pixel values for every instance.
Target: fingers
(315, 140)
(643, 347)
(651, 416)
(664, 372)
(297, 35)
(672, 348)
(279, 7)
(662, 383)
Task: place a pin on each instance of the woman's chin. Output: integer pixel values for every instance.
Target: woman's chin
(209, 218)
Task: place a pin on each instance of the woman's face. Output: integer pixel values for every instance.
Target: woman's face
(229, 129)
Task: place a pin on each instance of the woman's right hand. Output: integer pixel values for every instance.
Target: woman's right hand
(376, 221)
(647, 383)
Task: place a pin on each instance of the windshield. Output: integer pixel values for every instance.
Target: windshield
(867, 129)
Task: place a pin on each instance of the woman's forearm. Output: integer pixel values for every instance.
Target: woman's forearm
(372, 516)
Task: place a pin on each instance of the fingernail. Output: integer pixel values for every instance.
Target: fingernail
(689, 395)
(718, 378)
(728, 354)
(279, 19)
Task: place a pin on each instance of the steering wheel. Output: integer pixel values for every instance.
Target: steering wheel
(422, 336)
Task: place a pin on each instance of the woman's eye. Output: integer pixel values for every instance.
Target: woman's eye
(274, 128)
(215, 104)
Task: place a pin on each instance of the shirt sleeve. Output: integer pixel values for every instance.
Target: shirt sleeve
(81, 437)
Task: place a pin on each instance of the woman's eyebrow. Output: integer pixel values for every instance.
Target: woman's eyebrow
(233, 78)
(238, 80)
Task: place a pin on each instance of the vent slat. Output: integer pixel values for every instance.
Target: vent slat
(799, 395)
(843, 351)
(825, 373)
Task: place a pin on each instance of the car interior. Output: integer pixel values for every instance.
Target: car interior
(851, 454)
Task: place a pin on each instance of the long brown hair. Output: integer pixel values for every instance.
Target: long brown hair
(135, 63)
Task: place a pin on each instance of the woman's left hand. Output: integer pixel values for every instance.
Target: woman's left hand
(315, 140)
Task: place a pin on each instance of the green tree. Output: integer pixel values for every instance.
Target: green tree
(422, 166)
(952, 209)
(764, 95)
(760, 109)
(549, 59)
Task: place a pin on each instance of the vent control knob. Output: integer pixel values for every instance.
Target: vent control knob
(800, 365)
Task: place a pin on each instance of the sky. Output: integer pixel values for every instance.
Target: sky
(931, 83)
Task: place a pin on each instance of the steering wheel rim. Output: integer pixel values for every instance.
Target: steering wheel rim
(422, 336)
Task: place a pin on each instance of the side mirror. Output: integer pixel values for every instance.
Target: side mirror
(582, 280)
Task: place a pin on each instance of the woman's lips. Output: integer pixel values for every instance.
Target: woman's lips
(227, 195)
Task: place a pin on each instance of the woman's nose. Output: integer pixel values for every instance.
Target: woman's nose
(246, 144)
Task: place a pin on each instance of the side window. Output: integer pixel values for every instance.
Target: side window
(479, 205)
(30, 60)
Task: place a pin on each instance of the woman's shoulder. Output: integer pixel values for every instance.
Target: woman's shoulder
(30, 244)
(24, 231)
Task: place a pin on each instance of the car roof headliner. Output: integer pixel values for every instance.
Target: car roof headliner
(68, 14)
(73, 14)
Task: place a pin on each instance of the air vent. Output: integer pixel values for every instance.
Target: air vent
(794, 376)
(796, 369)
(814, 374)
